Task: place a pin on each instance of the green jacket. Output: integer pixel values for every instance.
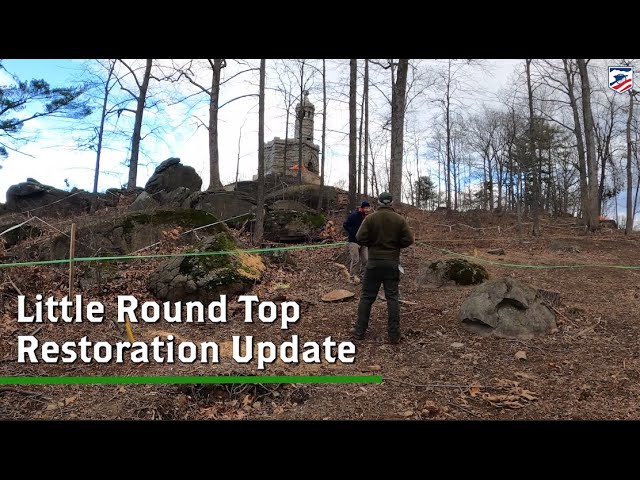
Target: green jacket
(384, 232)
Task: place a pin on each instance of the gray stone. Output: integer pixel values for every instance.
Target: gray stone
(144, 201)
(205, 278)
(291, 226)
(170, 175)
(291, 205)
(45, 200)
(169, 162)
(175, 198)
(249, 187)
(507, 308)
(307, 195)
(127, 233)
(274, 151)
(224, 205)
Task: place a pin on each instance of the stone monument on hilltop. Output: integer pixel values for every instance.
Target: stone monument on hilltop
(274, 151)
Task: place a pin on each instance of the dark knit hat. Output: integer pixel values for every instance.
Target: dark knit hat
(364, 204)
(385, 198)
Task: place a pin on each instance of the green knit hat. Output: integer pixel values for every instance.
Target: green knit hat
(385, 198)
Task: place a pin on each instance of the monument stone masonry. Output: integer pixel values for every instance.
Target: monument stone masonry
(274, 151)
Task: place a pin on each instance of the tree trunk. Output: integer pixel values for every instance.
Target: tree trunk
(519, 203)
(353, 78)
(366, 126)
(397, 130)
(635, 198)
(300, 115)
(214, 158)
(286, 142)
(259, 229)
(605, 154)
(359, 187)
(137, 128)
(103, 116)
(630, 213)
(238, 159)
(485, 198)
(324, 133)
(533, 162)
(592, 171)
(490, 186)
(374, 180)
(448, 130)
(500, 183)
(582, 164)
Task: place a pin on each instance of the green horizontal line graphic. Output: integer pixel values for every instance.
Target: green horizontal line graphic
(148, 380)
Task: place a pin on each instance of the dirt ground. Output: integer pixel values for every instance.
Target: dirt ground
(588, 369)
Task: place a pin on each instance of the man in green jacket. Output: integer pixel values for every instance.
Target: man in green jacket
(384, 232)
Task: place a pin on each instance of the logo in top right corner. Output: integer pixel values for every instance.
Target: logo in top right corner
(620, 78)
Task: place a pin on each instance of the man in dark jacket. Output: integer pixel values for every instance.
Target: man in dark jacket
(357, 252)
(384, 232)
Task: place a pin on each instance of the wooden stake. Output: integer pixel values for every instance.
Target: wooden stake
(72, 254)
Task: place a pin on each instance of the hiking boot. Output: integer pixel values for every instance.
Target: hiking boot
(356, 335)
(394, 340)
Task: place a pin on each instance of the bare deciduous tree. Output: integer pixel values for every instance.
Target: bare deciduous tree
(259, 229)
(398, 103)
(324, 132)
(353, 79)
(191, 72)
(140, 97)
(630, 211)
(592, 175)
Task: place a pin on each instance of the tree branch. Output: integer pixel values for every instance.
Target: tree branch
(237, 98)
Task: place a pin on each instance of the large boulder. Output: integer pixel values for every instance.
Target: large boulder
(225, 205)
(143, 202)
(170, 175)
(45, 200)
(175, 198)
(455, 270)
(507, 308)
(332, 198)
(204, 278)
(250, 187)
(128, 233)
(282, 205)
(293, 226)
(12, 234)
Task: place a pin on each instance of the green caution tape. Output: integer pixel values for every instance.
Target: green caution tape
(167, 255)
(520, 265)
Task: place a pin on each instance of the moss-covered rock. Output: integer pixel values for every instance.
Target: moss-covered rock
(307, 195)
(457, 270)
(204, 277)
(292, 226)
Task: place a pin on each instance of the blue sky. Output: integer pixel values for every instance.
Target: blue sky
(56, 72)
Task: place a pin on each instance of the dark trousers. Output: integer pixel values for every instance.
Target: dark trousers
(378, 272)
